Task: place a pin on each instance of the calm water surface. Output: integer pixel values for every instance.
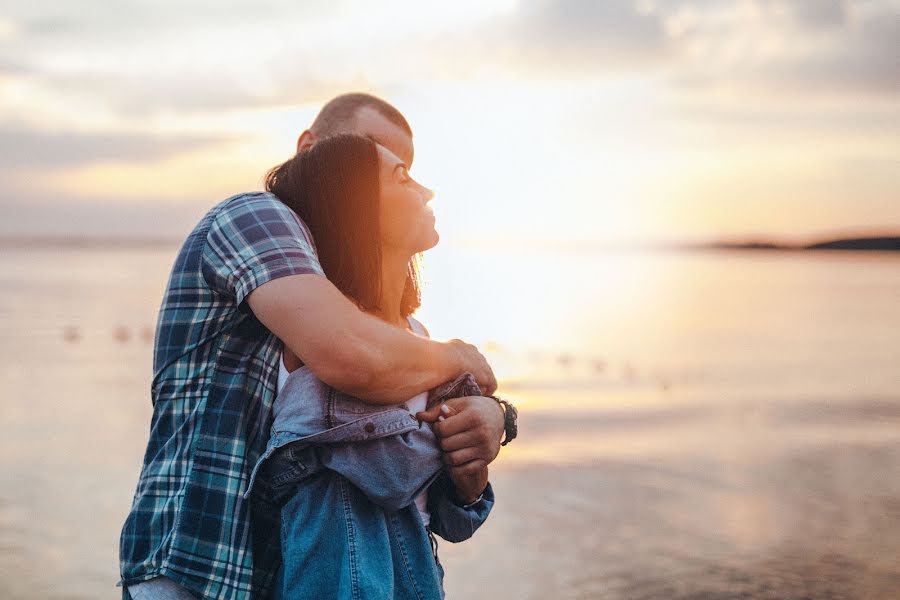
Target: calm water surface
(694, 425)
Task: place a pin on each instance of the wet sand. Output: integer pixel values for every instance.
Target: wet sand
(711, 513)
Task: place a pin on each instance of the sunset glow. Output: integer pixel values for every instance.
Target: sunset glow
(598, 122)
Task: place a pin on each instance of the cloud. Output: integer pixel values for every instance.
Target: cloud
(186, 90)
(818, 46)
(144, 57)
(140, 57)
(26, 148)
(785, 49)
(815, 14)
(12, 68)
(864, 57)
(585, 34)
(563, 39)
(133, 19)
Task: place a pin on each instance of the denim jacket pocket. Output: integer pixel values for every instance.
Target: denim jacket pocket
(284, 469)
(286, 466)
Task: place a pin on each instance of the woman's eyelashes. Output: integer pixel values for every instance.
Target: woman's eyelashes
(403, 174)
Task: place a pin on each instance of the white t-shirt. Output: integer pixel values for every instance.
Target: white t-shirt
(415, 404)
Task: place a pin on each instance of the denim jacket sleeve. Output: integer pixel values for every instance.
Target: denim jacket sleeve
(391, 470)
(452, 522)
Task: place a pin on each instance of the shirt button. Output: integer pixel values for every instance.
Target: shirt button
(370, 427)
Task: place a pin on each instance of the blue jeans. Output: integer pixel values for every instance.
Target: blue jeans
(159, 588)
(337, 543)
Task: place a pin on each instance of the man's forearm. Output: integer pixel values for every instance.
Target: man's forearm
(389, 365)
(469, 483)
(350, 350)
(355, 352)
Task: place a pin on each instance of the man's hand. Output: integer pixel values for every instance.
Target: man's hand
(467, 464)
(470, 432)
(475, 363)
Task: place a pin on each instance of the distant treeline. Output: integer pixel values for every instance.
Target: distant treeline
(872, 243)
(881, 243)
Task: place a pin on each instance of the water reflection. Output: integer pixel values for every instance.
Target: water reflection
(691, 425)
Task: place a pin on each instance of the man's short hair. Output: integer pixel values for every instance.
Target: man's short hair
(336, 116)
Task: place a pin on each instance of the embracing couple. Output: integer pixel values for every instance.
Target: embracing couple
(308, 440)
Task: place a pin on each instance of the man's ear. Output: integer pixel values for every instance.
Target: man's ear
(306, 140)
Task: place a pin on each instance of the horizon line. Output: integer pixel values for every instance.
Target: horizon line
(890, 240)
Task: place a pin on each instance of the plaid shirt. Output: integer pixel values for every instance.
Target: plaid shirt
(215, 370)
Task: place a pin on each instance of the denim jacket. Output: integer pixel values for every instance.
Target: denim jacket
(346, 474)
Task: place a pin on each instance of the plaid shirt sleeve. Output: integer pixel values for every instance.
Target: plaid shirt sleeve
(253, 242)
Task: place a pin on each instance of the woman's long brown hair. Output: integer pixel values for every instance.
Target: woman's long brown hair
(334, 188)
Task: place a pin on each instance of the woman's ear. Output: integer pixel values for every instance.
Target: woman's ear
(306, 141)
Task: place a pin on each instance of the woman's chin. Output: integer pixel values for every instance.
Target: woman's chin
(426, 240)
(435, 237)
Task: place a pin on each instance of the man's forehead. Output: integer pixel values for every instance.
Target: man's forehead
(370, 122)
(388, 154)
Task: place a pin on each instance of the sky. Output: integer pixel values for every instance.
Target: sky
(559, 121)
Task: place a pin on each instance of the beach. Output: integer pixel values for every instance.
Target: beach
(749, 503)
(700, 426)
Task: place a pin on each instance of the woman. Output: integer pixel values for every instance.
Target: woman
(364, 487)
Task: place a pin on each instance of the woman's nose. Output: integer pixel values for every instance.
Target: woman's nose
(429, 194)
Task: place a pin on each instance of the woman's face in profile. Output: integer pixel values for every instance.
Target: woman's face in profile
(407, 222)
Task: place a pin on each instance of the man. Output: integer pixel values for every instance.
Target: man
(246, 280)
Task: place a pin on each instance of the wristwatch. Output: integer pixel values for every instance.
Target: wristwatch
(473, 502)
(510, 416)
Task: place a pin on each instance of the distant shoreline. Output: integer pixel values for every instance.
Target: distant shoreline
(877, 244)
(79, 243)
(867, 244)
